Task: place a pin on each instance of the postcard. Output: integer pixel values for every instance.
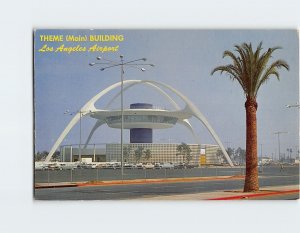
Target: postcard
(166, 114)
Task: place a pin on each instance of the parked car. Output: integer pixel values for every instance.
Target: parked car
(157, 166)
(139, 166)
(40, 167)
(117, 166)
(129, 166)
(85, 165)
(190, 165)
(179, 166)
(109, 166)
(148, 166)
(167, 165)
(94, 165)
(68, 166)
(54, 166)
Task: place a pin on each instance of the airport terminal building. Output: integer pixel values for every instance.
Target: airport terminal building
(141, 119)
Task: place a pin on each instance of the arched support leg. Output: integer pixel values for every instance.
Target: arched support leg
(96, 126)
(196, 113)
(187, 124)
(71, 124)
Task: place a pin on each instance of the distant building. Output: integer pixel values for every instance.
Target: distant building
(266, 160)
(160, 152)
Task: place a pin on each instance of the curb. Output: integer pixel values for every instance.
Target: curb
(55, 186)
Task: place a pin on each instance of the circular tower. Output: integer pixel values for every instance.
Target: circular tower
(141, 135)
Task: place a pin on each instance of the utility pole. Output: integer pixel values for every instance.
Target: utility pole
(278, 135)
(261, 157)
(272, 158)
(81, 113)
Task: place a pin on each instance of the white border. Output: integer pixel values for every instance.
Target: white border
(20, 213)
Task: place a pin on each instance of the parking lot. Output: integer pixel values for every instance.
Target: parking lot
(99, 174)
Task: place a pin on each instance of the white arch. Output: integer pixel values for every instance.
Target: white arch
(186, 122)
(188, 125)
(90, 107)
(96, 126)
(175, 105)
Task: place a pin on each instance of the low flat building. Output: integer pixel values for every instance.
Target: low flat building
(159, 153)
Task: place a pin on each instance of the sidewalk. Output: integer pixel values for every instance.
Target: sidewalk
(230, 195)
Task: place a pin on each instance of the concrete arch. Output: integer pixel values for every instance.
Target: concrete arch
(87, 108)
(175, 105)
(96, 126)
(188, 125)
(186, 122)
(90, 107)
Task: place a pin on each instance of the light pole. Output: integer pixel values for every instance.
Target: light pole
(261, 157)
(121, 64)
(278, 135)
(80, 116)
(294, 106)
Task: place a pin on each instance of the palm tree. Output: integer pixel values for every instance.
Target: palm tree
(138, 153)
(251, 70)
(184, 150)
(126, 152)
(147, 153)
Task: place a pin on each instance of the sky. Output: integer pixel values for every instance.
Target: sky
(184, 60)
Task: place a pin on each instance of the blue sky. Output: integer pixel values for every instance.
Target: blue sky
(184, 59)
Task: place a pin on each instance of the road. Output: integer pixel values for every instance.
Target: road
(138, 191)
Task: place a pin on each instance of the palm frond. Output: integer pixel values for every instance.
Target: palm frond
(233, 75)
(249, 67)
(271, 70)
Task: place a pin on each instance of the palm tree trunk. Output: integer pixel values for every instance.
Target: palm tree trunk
(251, 179)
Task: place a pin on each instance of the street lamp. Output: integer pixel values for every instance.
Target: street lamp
(292, 105)
(261, 157)
(80, 114)
(132, 64)
(278, 134)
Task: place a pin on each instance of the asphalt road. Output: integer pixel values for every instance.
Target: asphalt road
(133, 191)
